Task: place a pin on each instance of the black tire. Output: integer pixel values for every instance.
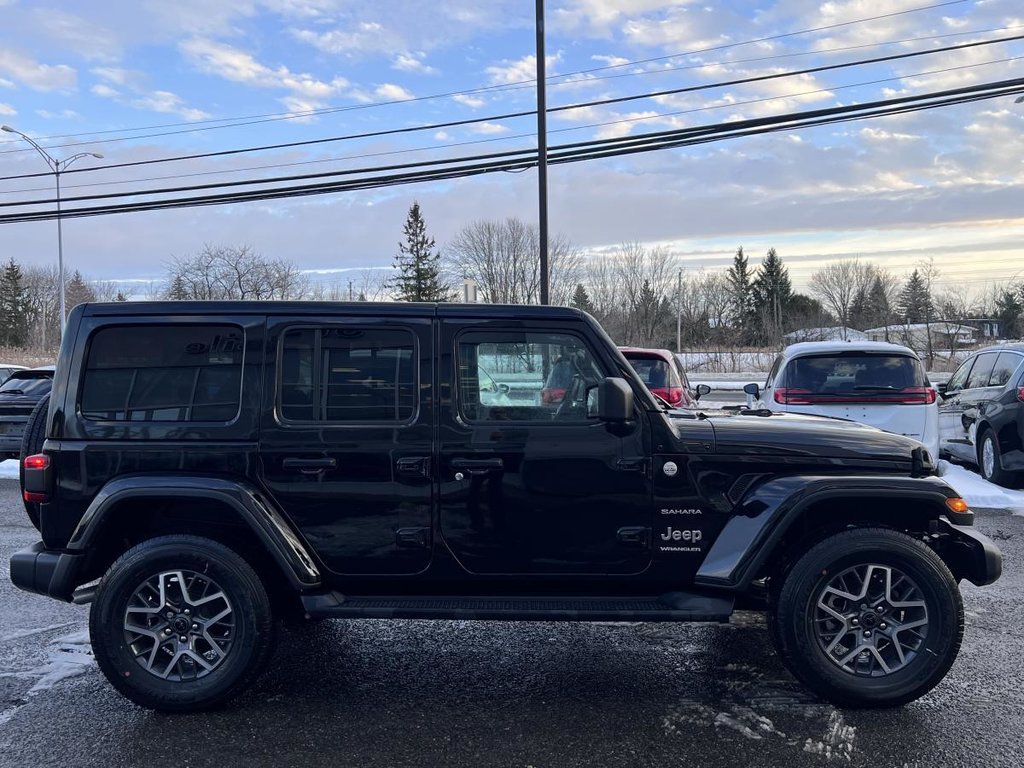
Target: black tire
(995, 473)
(32, 443)
(797, 635)
(203, 561)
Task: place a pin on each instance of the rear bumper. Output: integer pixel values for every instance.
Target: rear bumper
(45, 571)
(971, 555)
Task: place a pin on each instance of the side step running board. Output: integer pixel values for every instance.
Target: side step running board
(672, 606)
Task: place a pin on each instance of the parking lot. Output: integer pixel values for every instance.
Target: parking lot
(379, 693)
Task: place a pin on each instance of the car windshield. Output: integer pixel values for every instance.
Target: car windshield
(21, 384)
(854, 373)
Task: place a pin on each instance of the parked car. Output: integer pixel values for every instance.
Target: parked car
(871, 382)
(664, 375)
(201, 469)
(981, 413)
(6, 369)
(18, 396)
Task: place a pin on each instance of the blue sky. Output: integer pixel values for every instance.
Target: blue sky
(150, 79)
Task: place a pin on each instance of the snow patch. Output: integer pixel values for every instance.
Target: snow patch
(741, 719)
(978, 492)
(837, 741)
(9, 471)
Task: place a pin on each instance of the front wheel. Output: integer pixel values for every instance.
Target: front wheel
(869, 618)
(181, 624)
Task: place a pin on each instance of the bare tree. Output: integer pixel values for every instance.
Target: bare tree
(839, 284)
(233, 272)
(502, 258)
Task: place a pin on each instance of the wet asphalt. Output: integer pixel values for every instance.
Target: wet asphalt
(406, 693)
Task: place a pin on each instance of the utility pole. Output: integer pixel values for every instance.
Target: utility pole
(679, 311)
(542, 153)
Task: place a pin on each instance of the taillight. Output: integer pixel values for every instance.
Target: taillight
(552, 395)
(671, 395)
(1020, 394)
(792, 396)
(37, 478)
(905, 396)
(932, 395)
(37, 461)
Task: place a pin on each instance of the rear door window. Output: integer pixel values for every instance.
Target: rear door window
(857, 377)
(959, 378)
(981, 371)
(1003, 370)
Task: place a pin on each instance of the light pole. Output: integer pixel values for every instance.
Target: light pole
(57, 167)
(542, 152)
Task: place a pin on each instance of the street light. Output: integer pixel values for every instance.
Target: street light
(57, 167)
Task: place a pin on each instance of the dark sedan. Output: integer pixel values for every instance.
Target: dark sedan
(18, 396)
(981, 413)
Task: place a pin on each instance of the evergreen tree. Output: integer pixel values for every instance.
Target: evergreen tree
(14, 306)
(860, 312)
(120, 296)
(879, 311)
(740, 280)
(1010, 311)
(772, 293)
(77, 291)
(915, 301)
(177, 291)
(418, 264)
(581, 300)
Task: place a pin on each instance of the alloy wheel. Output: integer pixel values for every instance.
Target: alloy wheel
(988, 457)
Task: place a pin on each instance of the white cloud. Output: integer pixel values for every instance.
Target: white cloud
(443, 136)
(238, 66)
(601, 17)
(361, 38)
(877, 134)
(7, 109)
(521, 70)
(468, 100)
(39, 77)
(392, 92)
(412, 62)
(64, 114)
(6, 83)
(86, 38)
(611, 61)
(489, 129)
(169, 103)
(105, 91)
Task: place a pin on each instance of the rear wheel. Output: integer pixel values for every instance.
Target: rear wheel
(180, 624)
(990, 461)
(869, 618)
(32, 443)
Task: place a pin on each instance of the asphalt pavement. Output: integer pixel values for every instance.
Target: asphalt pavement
(452, 693)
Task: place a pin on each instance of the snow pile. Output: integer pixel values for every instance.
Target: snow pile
(9, 469)
(980, 493)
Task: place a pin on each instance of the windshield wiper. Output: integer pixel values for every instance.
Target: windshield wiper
(14, 392)
(876, 388)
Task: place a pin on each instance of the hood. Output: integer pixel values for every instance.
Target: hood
(784, 435)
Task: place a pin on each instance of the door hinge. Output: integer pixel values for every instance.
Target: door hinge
(413, 538)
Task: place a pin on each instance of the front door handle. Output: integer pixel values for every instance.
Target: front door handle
(309, 466)
(478, 466)
(634, 535)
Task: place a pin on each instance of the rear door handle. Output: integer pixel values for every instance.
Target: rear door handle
(478, 466)
(309, 466)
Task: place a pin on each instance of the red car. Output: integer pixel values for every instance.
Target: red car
(664, 376)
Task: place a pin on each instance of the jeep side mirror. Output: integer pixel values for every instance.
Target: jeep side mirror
(614, 400)
(702, 389)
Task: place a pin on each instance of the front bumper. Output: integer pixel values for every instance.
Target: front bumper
(971, 555)
(45, 571)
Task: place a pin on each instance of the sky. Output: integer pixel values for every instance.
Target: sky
(141, 80)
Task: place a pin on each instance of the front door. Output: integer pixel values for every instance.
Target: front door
(346, 441)
(529, 483)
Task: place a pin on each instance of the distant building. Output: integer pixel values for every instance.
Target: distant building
(915, 335)
(829, 333)
(987, 327)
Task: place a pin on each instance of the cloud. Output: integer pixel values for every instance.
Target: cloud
(64, 114)
(39, 77)
(361, 38)
(489, 129)
(89, 40)
(520, 70)
(611, 61)
(7, 109)
(169, 103)
(105, 91)
(6, 83)
(238, 66)
(133, 92)
(602, 17)
(469, 100)
(392, 92)
(443, 136)
(412, 62)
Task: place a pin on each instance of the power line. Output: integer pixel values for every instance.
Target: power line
(569, 152)
(526, 113)
(278, 116)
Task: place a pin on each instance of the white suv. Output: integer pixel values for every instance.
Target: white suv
(883, 385)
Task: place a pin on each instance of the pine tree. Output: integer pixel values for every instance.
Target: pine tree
(878, 309)
(14, 307)
(915, 301)
(177, 290)
(740, 281)
(772, 292)
(418, 264)
(581, 300)
(1010, 311)
(120, 296)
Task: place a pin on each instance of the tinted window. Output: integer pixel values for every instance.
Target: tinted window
(163, 373)
(1003, 370)
(957, 380)
(33, 384)
(347, 374)
(853, 372)
(540, 376)
(655, 372)
(981, 371)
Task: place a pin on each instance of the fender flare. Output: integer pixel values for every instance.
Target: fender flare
(253, 508)
(768, 511)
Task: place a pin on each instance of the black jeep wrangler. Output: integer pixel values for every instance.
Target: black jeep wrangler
(202, 469)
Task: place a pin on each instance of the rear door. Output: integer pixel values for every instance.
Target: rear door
(346, 440)
(530, 484)
(952, 435)
(972, 399)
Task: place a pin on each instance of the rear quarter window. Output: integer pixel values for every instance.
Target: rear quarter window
(163, 373)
